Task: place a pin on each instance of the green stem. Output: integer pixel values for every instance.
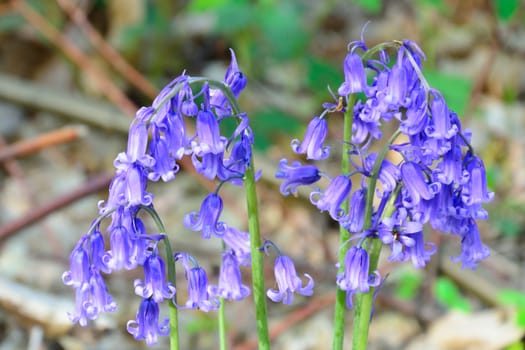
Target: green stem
(222, 325)
(259, 295)
(364, 301)
(173, 312)
(344, 235)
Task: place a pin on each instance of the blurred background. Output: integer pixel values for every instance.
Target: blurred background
(72, 74)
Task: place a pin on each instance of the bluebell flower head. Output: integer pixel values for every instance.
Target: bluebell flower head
(314, 137)
(333, 197)
(354, 221)
(288, 282)
(146, 326)
(230, 281)
(78, 273)
(472, 249)
(415, 183)
(235, 80)
(198, 295)
(355, 75)
(210, 165)
(154, 285)
(474, 186)
(207, 220)
(165, 167)
(209, 134)
(355, 276)
(295, 175)
(239, 243)
(92, 298)
(441, 126)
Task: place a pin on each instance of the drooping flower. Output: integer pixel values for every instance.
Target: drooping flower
(198, 295)
(207, 220)
(239, 243)
(472, 249)
(416, 185)
(154, 285)
(295, 175)
(78, 273)
(355, 277)
(146, 325)
(354, 221)
(288, 282)
(355, 75)
(333, 197)
(314, 137)
(230, 282)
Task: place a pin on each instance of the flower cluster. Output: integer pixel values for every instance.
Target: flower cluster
(158, 139)
(439, 181)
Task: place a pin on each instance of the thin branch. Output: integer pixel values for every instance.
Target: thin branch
(106, 50)
(111, 91)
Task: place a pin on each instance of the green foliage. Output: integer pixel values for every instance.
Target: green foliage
(439, 5)
(202, 323)
(270, 123)
(370, 6)
(505, 9)
(456, 89)
(408, 285)
(519, 345)
(322, 73)
(517, 299)
(448, 294)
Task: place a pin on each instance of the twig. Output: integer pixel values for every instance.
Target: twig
(94, 185)
(55, 137)
(76, 55)
(107, 51)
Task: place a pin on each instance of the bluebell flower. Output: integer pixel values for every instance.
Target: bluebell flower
(207, 220)
(389, 174)
(154, 285)
(474, 182)
(314, 138)
(97, 250)
(355, 276)
(146, 326)
(78, 273)
(186, 102)
(209, 135)
(295, 175)
(472, 249)
(230, 282)
(333, 197)
(440, 126)
(198, 295)
(239, 243)
(399, 232)
(210, 165)
(354, 221)
(165, 167)
(137, 146)
(355, 75)
(91, 299)
(174, 129)
(288, 282)
(420, 252)
(415, 183)
(235, 80)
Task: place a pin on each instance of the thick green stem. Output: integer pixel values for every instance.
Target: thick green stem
(259, 295)
(364, 301)
(344, 235)
(173, 312)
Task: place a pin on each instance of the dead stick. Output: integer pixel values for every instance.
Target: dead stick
(76, 55)
(99, 183)
(52, 138)
(107, 51)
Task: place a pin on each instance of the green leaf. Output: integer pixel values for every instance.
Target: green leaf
(505, 9)
(455, 89)
(448, 294)
(371, 6)
(512, 297)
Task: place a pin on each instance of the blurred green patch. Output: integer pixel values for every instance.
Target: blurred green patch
(516, 299)
(505, 9)
(408, 285)
(448, 294)
(455, 89)
(370, 6)
(271, 123)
